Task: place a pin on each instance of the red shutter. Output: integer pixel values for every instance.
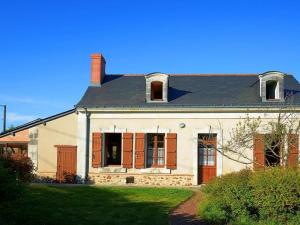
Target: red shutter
(127, 150)
(139, 150)
(171, 150)
(96, 150)
(293, 150)
(259, 152)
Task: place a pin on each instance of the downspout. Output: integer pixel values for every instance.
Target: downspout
(87, 145)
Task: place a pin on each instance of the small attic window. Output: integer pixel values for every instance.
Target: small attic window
(271, 89)
(272, 86)
(156, 91)
(157, 86)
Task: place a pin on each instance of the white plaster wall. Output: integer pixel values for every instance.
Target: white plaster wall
(81, 144)
(187, 137)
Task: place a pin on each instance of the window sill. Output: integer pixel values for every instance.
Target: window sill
(273, 100)
(157, 101)
(156, 170)
(112, 170)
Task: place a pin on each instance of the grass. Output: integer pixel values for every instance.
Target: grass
(45, 205)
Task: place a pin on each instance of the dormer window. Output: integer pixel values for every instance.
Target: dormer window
(272, 86)
(157, 85)
(156, 91)
(271, 90)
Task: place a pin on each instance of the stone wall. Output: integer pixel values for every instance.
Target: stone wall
(142, 179)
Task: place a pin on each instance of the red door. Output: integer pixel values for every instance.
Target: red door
(66, 163)
(207, 159)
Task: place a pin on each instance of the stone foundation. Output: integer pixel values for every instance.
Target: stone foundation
(141, 179)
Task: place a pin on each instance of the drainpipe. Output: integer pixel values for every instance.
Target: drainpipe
(87, 145)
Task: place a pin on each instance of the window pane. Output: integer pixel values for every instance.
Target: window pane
(161, 152)
(211, 160)
(161, 137)
(202, 157)
(160, 156)
(150, 156)
(160, 144)
(210, 150)
(160, 161)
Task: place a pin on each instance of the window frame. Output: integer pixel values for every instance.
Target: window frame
(155, 151)
(105, 150)
(156, 86)
(206, 141)
(275, 89)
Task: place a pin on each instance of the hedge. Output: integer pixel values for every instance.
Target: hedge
(266, 197)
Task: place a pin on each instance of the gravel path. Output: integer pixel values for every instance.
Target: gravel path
(186, 213)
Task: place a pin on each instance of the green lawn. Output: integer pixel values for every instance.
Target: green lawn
(43, 205)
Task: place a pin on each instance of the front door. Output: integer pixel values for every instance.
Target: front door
(207, 159)
(66, 163)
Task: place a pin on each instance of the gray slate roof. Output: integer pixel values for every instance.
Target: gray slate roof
(185, 91)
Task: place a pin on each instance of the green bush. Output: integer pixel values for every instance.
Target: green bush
(14, 174)
(246, 198)
(276, 193)
(231, 194)
(22, 167)
(10, 186)
(213, 211)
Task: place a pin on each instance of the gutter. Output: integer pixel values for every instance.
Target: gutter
(216, 109)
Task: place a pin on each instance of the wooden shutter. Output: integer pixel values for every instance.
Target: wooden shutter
(139, 150)
(293, 150)
(259, 152)
(127, 150)
(171, 150)
(96, 149)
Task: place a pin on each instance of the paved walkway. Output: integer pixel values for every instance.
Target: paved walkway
(186, 213)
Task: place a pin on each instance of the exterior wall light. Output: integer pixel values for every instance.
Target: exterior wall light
(182, 125)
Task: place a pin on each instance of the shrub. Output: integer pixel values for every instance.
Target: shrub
(213, 211)
(276, 193)
(22, 167)
(232, 194)
(246, 198)
(10, 186)
(14, 173)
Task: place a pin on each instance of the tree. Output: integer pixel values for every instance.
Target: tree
(281, 135)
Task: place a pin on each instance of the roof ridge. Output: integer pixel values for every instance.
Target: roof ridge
(193, 74)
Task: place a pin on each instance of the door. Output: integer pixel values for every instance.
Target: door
(66, 163)
(207, 159)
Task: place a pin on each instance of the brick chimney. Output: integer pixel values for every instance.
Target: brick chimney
(97, 69)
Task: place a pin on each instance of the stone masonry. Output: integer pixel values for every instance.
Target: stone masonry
(141, 179)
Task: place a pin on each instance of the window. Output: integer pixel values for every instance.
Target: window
(155, 150)
(113, 149)
(271, 87)
(156, 91)
(272, 154)
(206, 149)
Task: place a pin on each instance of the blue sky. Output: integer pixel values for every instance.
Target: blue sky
(45, 46)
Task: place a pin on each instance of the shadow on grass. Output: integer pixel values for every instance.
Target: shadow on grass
(93, 205)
